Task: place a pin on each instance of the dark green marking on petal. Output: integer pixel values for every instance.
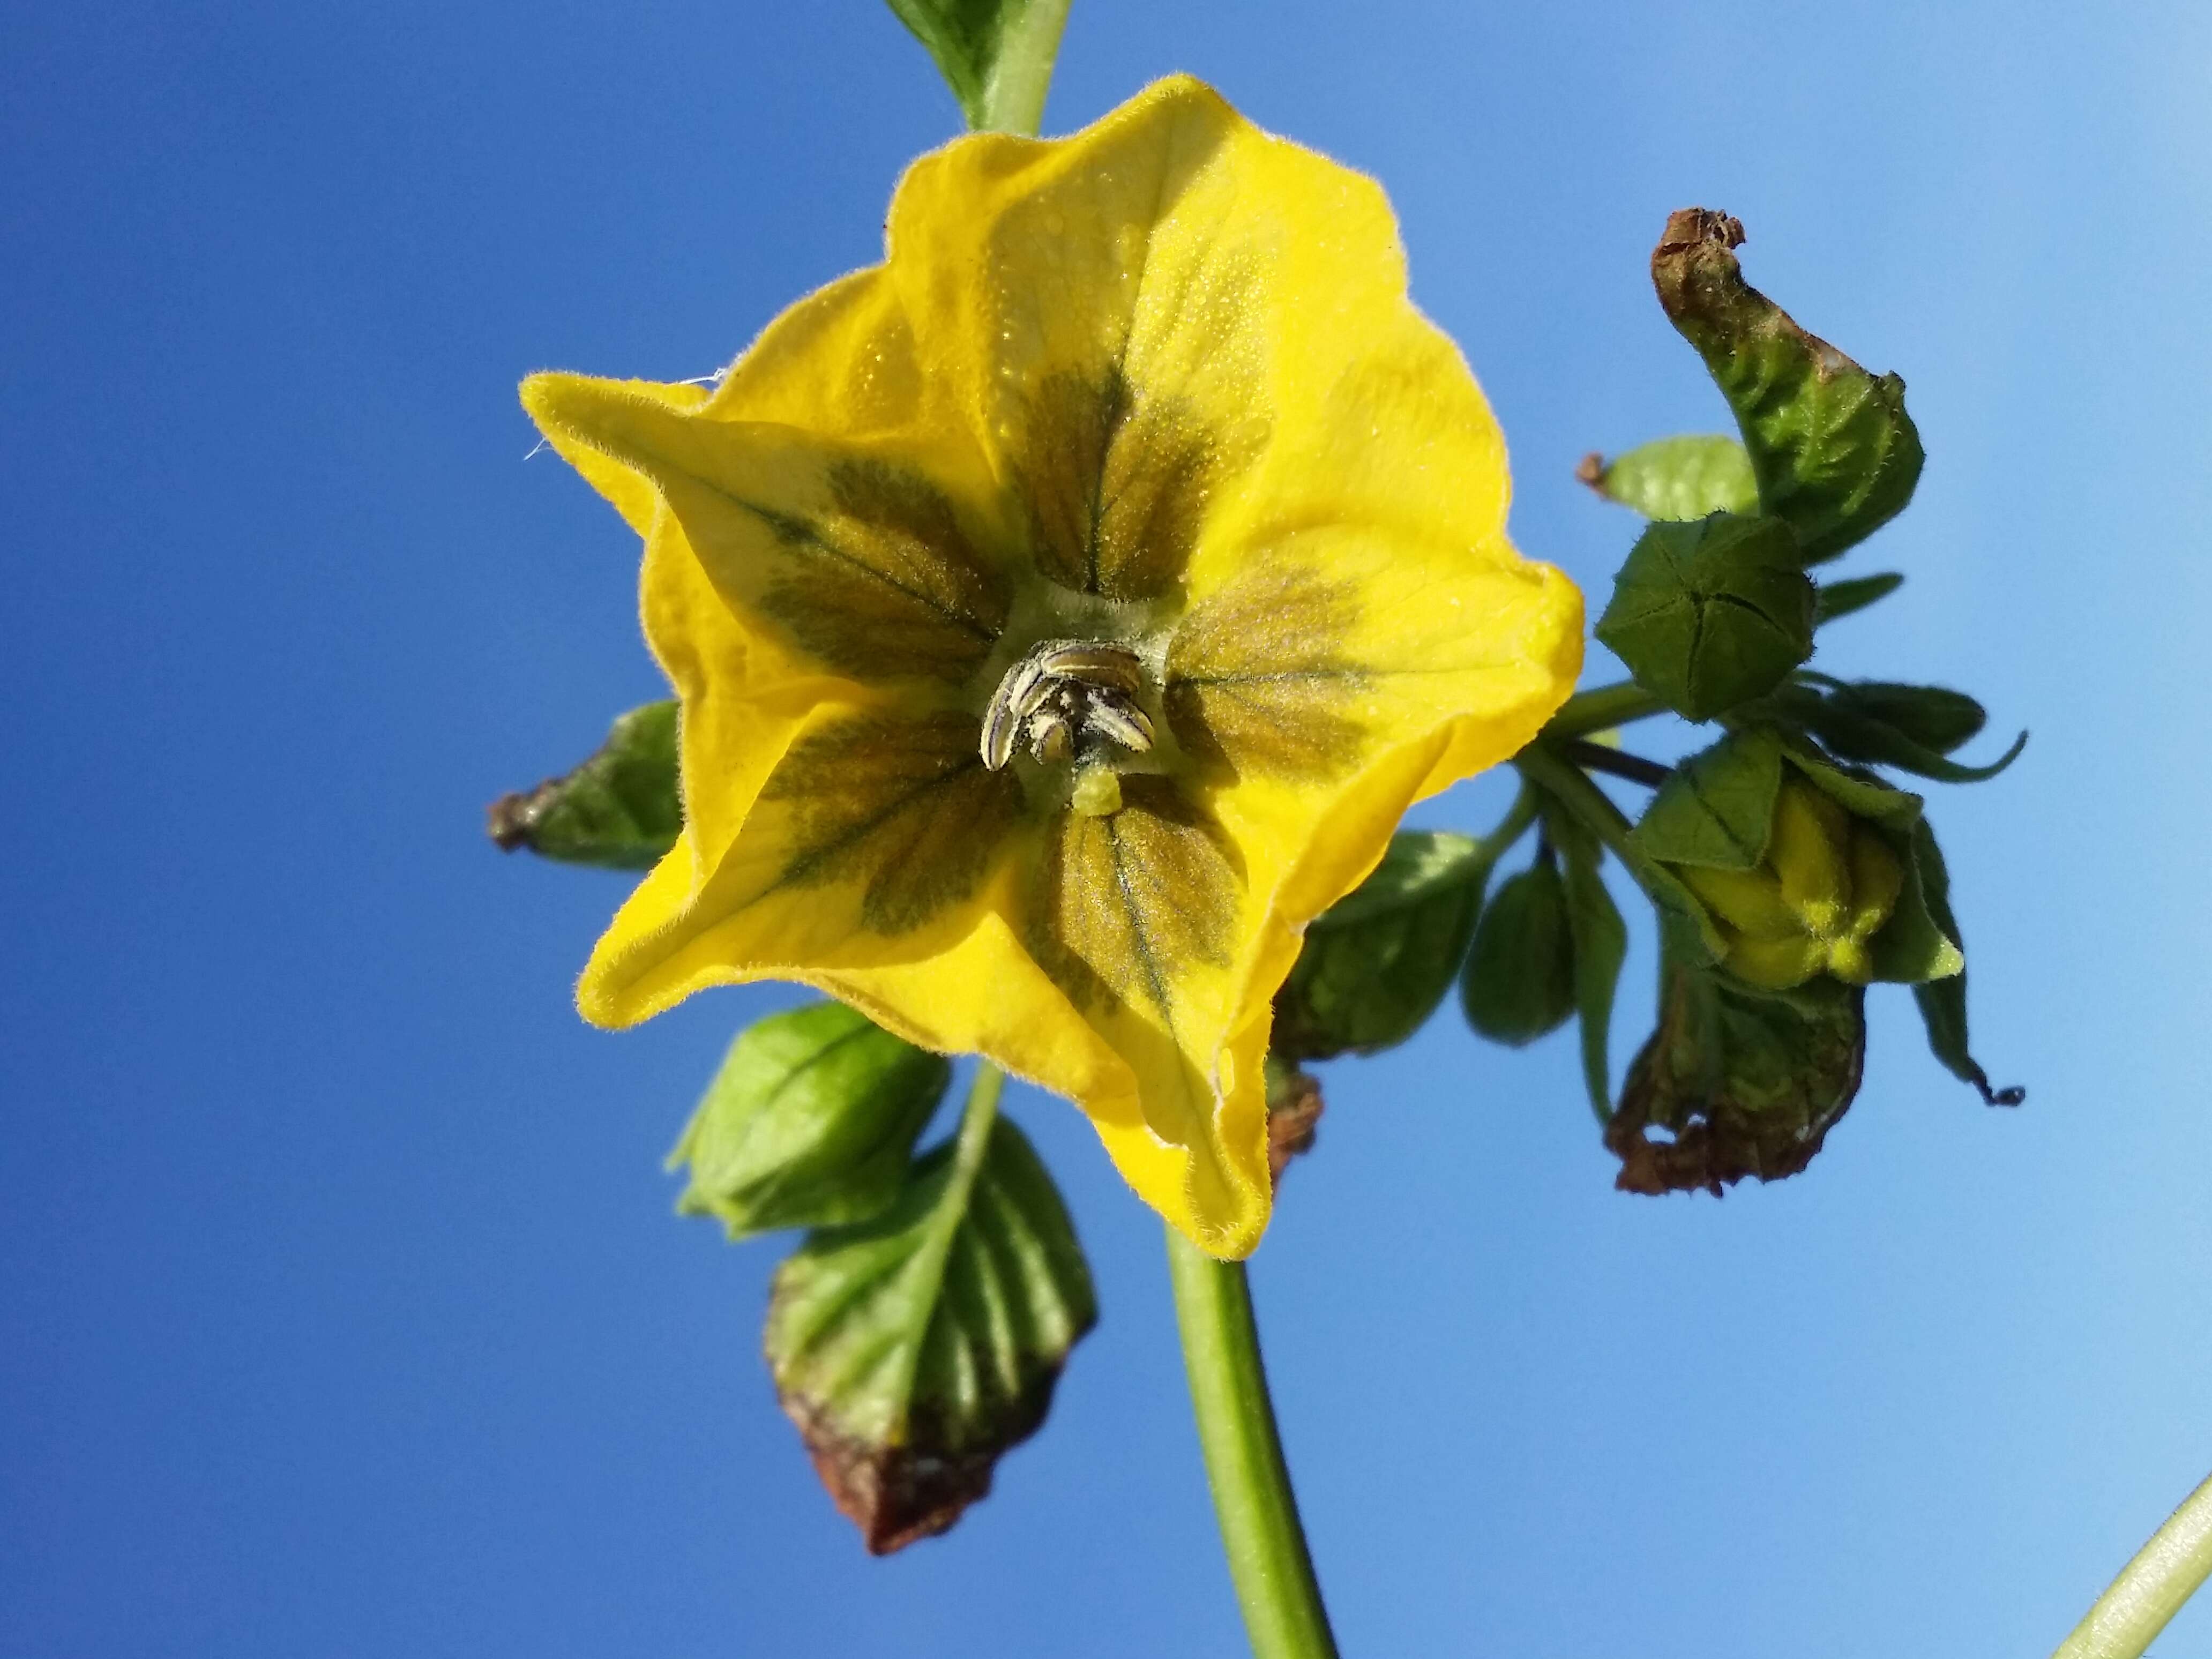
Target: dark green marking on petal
(902, 809)
(1257, 678)
(1125, 905)
(1116, 481)
(885, 584)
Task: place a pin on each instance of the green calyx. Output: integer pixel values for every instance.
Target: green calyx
(1798, 869)
(1736, 1083)
(1710, 614)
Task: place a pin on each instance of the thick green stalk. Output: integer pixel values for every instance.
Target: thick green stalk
(1252, 1498)
(2150, 1588)
(1602, 707)
(1014, 99)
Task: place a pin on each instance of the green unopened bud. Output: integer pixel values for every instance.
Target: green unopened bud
(1826, 884)
(1519, 982)
(1712, 614)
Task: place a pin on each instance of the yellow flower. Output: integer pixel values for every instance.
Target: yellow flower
(1064, 612)
(1813, 903)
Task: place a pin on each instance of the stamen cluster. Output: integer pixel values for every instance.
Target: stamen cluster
(1067, 698)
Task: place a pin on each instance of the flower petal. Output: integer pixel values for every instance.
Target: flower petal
(852, 555)
(1138, 916)
(872, 839)
(1091, 303)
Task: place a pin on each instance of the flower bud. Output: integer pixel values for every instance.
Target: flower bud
(1826, 884)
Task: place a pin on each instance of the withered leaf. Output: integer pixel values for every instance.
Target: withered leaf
(1735, 1084)
(618, 810)
(914, 1350)
(1834, 451)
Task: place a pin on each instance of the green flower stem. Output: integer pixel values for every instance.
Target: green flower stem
(1602, 708)
(2150, 1588)
(977, 1114)
(1013, 101)
(1510, 828)
(1260, 1531)
(1566, 784)
(1599, 757)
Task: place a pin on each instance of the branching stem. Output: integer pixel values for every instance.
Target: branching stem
(1597, 758)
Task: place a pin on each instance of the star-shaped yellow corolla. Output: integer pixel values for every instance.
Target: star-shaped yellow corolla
(1064, 612)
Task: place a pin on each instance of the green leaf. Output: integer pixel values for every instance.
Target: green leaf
(1933, 716)
(1838, 600)
(1943, 1001)
(1910, 728)
(1599, 945)
(1710, 615)
(1833, 448)
(1519, 984)
(1740, 1083)
(1377, 962)
(996, 55)
(811, 1122)
(619, 810)
(1717, 809)
(914, 1350)
(1680, 479)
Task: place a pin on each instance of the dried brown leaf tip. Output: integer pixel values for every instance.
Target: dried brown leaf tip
(1735, 1084)
(915, 1349)
(897, 1495)
(1294, 1107)
(1686, 226)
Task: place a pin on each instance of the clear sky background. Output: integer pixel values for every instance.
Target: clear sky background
(342, 1311)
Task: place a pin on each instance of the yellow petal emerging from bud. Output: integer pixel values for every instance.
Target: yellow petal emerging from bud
(1825, 886)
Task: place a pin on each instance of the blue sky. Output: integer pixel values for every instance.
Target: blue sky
(343, 1310)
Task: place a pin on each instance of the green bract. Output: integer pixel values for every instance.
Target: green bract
(1377, 962)
(811, 1122)
(618, 810)
(1712, 614)
(1599, 940)
(1836, 600)
(1678, 478)
(1911, 727)
(1833, 450)
(1943, 1001)
(913, 1351)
